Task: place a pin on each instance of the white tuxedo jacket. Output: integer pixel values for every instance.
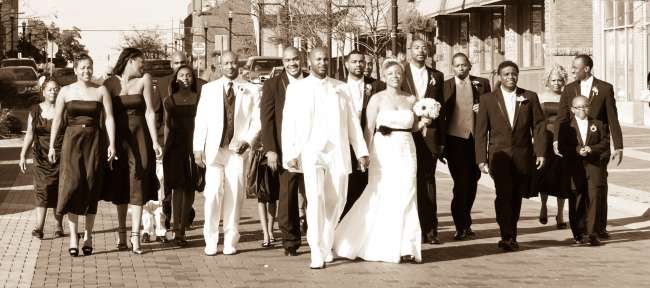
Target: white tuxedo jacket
(209, 120)
(342, 128)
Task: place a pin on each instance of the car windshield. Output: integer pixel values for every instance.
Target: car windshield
(22, 74)
(264, 65)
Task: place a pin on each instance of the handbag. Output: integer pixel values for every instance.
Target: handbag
(262, 182)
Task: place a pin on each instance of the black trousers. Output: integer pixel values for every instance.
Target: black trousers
(357, 182)
(426, 197)
(288, 216)
(601, 201)
(461, 161)
(510, 184)
(583, 209)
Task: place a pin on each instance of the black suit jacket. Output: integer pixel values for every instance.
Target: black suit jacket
(494, 132)
(271, 107)
(374, 87)
(603, 108)
(435, 137)
(481, 87)
(570, 143)
(162, 90)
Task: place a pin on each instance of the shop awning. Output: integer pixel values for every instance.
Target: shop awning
(432, 8)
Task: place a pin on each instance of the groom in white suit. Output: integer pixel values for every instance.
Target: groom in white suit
(227, 121)
(319, 125)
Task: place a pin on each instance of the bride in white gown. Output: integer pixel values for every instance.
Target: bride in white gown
(383, 224)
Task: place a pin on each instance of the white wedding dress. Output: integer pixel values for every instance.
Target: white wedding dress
(383, 224)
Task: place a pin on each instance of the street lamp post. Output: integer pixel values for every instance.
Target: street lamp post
(229, 31)
(393, 32)
(205, 39)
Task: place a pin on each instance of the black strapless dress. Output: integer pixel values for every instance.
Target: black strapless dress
(81, 159)
(46, 174)
(552, 179)
(178, 161)
(133, 178)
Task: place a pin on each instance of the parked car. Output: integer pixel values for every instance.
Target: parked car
(260, 67)
(276, 71)
(25, 81)
(12, 62)
(65, 76)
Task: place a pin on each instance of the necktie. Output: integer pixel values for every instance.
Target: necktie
(230, 94)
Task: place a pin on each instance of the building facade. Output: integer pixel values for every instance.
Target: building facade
(8, 27)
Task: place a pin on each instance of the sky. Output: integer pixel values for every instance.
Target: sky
(108, 14)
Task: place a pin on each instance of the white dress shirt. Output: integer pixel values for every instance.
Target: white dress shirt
(510, 98)
(582, 127)
(420, 79)
(294, 79)
(356, 92)
(585, 86)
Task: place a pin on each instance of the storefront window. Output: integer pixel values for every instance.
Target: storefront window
(618, 46)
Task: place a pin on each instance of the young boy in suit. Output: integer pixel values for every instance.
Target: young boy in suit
(583, 141)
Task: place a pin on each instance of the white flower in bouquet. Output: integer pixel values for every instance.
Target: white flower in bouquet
(427, 107)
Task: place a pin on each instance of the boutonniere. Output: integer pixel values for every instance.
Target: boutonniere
(521, 99)
(594, 91)
(476, 83)
(432, 82)
(593, 128)
(368, 89)
(242, 89)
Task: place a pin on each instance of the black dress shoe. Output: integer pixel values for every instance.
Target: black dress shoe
(460, 235)
(162, 239)
(470, 233)
(290, 252)
(435, 240)
(579, 240)
(146, 238)
(37, 233)
(505, 245)
(603, 234)
(514, 244)
(594, 241)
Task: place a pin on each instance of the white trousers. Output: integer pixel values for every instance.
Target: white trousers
(326, 193)
(224, 195)
(153, 218)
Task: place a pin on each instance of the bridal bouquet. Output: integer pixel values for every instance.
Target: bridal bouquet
(427, 107)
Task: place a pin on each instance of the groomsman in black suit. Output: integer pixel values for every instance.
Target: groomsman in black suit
(509, 120)
(361, 88)
(425, 82)
(291, 184)
(461, 96)
(603, 108)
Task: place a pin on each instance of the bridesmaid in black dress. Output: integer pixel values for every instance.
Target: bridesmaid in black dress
(46, 174)
(181, 172)
(81, 156)
(134, 180)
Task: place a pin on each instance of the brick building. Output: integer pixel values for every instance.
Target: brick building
(8, 27)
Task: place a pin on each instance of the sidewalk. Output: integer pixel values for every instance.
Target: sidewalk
(546, 258)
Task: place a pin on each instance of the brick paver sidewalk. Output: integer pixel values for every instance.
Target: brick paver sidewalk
(546, 259)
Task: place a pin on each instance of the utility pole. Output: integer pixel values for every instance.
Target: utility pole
(393, 32)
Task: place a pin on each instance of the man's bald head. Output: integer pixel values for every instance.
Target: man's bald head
(229, 65)
(291, 61)
(319, 61)
(177, 59)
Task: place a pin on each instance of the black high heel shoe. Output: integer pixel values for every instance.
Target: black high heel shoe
(87, 249)
(121, 246)
(135, 250)
(38, 233)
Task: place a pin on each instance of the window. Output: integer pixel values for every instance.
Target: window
(619, 46)
(492, 35)
(532, 23)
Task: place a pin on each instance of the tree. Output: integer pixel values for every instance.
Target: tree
(150, 42)
(69, 43)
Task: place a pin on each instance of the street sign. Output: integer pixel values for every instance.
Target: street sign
(198, 49)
